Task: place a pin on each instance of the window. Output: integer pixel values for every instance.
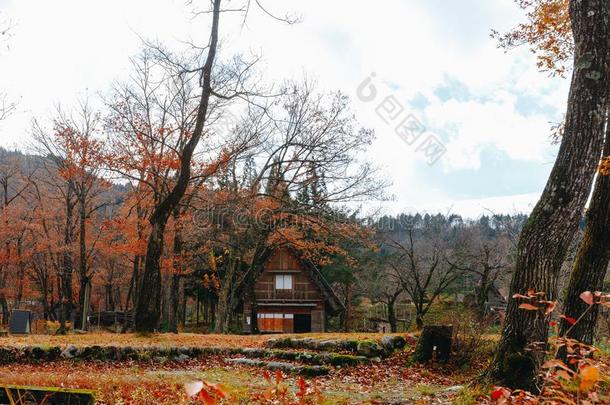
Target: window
(283, 282)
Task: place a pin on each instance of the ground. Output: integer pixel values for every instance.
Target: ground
(392, 380)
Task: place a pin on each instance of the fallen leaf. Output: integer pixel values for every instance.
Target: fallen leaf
(589, 376)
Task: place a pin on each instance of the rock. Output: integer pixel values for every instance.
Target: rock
(370, 348)
(309, 371)
(7, 355)
(248, 362)
(388, 343)
(70, 352)
(399, 342)
(454, 389)
(160, 359)
(181, 358)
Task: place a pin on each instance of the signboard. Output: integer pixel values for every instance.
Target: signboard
(20, 322)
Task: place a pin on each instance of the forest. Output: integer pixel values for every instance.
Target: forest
(196, 232)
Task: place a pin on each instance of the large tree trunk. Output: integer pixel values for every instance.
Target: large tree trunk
(82, 253)
(148, 307)
(147, 311)
(66, 300)
(226, 304)
(591, 260)
(551, 227)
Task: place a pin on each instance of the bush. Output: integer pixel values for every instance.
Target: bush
(470, 343)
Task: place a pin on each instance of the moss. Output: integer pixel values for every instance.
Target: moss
(7, 355)
(370, 348)
(94, 353)
(518, 370)
(313, 371)
(345, 360)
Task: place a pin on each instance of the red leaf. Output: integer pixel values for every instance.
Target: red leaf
(278, 376)
(500, 393)
(569, 319)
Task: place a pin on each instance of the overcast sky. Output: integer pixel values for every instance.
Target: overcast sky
(432, 60)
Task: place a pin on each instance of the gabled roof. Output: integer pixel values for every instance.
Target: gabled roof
(333, 302)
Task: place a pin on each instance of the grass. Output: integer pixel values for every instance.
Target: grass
(144, 382)
(165, 339)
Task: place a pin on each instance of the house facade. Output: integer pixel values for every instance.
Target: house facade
(292, 296)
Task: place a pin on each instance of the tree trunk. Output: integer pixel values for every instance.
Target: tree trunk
(174, 303)
(147, 310)
(551, 227)
(392, 315)
(253, 312)
(224, 308)
(174, 299)
(82, 253)
(66, 267)
(591, 260)
(148, 307)
(419, 320)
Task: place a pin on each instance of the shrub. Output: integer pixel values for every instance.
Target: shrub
(469, 339)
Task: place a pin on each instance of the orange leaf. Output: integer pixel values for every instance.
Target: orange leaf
(529, 307)
(589, 376)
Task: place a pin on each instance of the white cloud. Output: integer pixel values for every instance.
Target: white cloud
(65, 47)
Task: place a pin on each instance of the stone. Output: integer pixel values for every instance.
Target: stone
(181, 358)
(70, 352)
(370, 348)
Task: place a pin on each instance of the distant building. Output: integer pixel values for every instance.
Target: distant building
(292, 296)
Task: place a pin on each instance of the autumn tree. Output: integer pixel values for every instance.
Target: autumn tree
(287, 190)
(547, 234)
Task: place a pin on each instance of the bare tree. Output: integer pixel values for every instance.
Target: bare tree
(420, 264)
(486, 257)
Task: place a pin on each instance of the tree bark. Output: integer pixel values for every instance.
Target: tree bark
(551, 227)
(148, 310)
(82, 252)
(591, 261)
(66, 265)
(225, 306)
(392, 315)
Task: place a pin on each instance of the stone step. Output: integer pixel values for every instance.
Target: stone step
(314, 358)
(369, 348)
(304, 370)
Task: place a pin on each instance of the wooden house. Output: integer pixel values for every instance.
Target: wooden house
(292, 296)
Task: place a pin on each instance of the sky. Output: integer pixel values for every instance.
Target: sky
(462, 126)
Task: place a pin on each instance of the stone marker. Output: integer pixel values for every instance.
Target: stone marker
(20, 323)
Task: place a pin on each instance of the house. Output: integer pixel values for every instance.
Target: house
(292, 296)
